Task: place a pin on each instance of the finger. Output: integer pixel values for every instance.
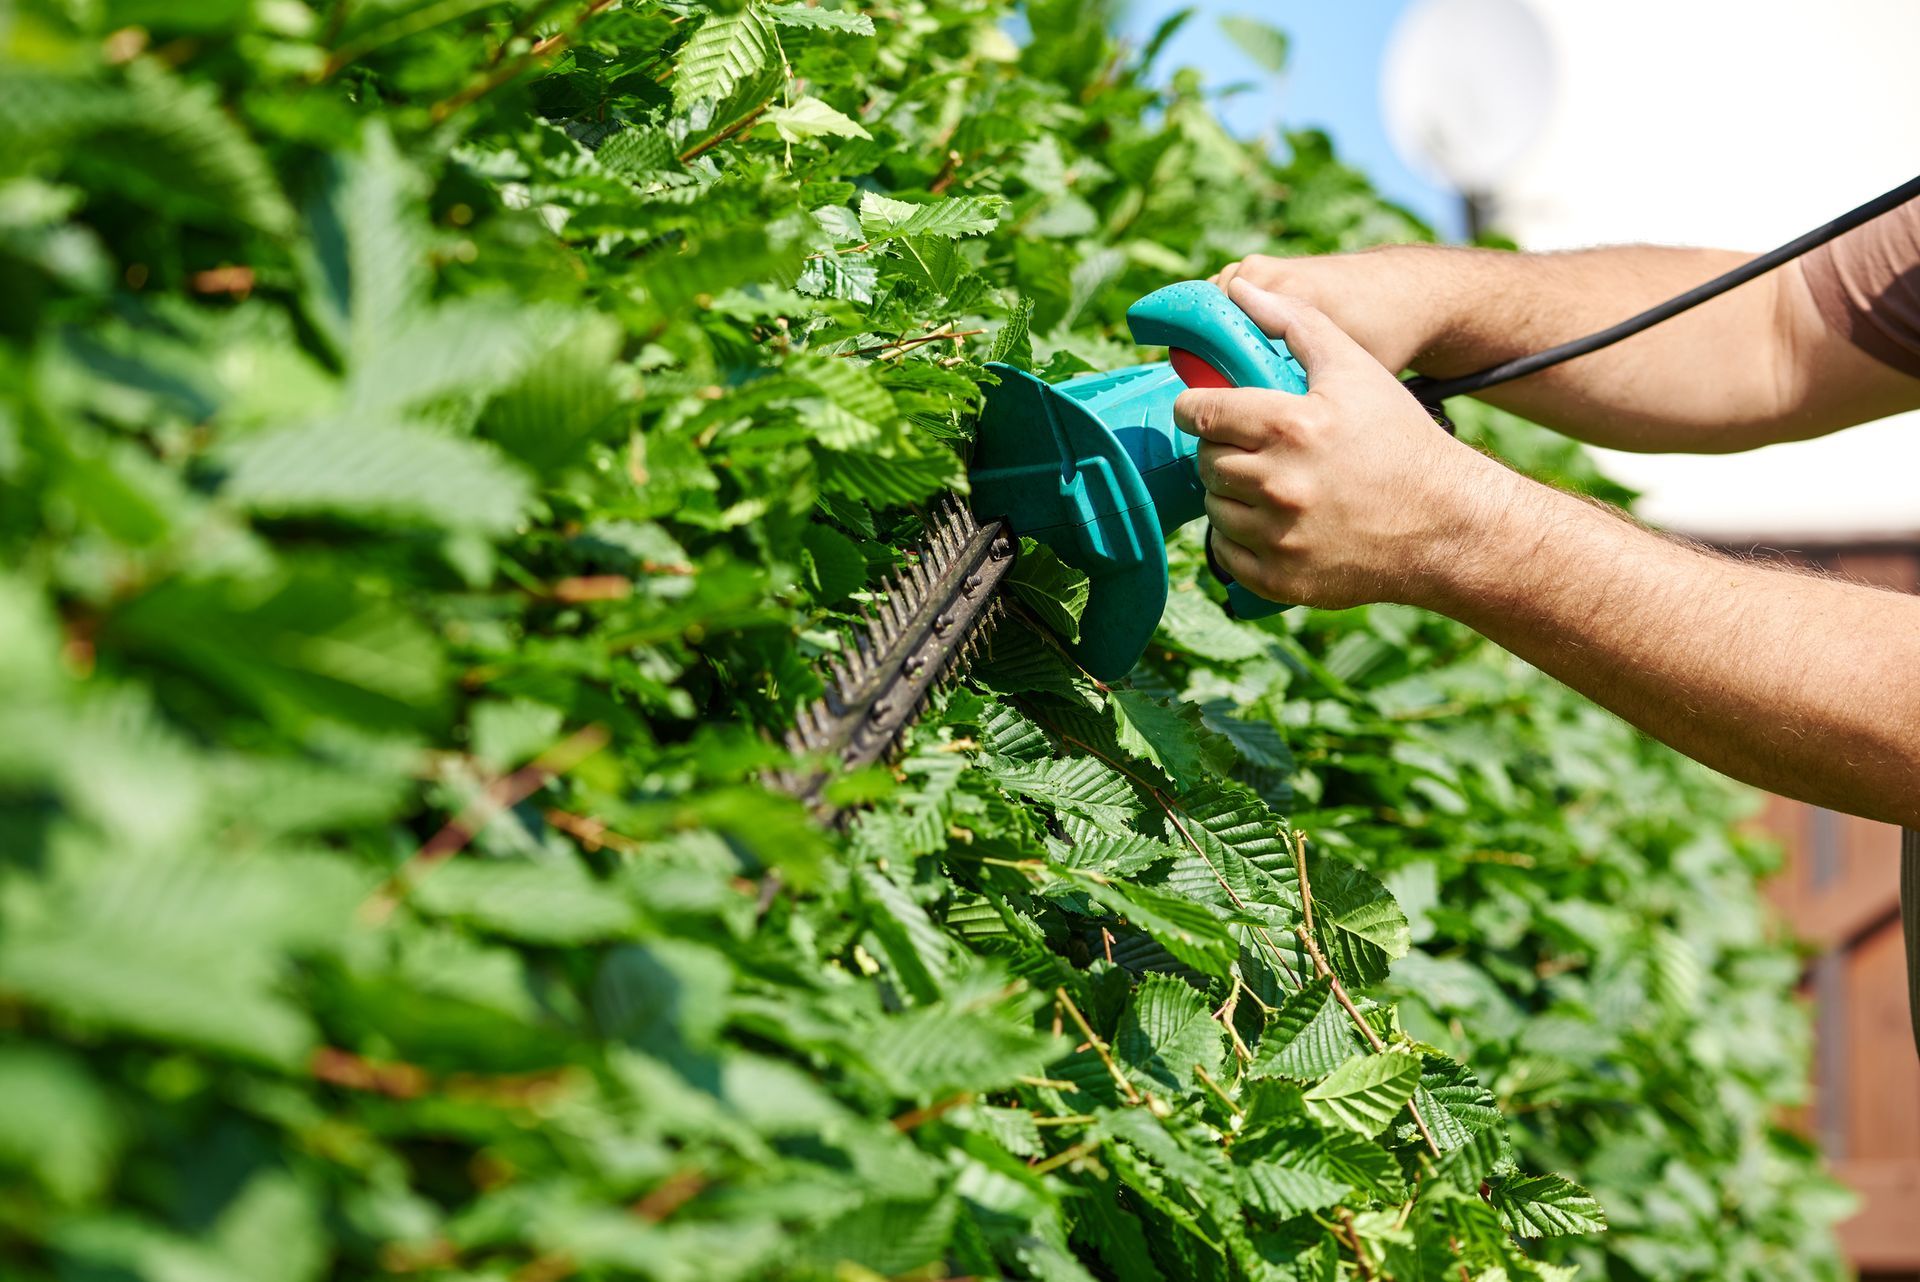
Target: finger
(1241, 563)
(1238, 521)
(1225, 277)
(1232, 472)
(1241, 416)
(1315, 341)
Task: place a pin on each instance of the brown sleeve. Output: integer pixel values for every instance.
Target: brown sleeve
(1867, 287)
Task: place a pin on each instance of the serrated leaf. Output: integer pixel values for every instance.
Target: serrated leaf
(890, 482)
(1126, 856)
(936, 1050)
(180, 949)
(1366, 1092)
(1308, 1037)
(1013, 344)
(727, 49)
(376, 472)
(811, 118)
(1166, 1031)
(884, 218)
(1189, 931)
(1546, 1206)
(1052, 589)
(1082, 786)
(1359, 925)
(803, 15)
(913, 943)
(1287, 1186)
(552, 902)
(1171, 736)
(1192, 622)
(838, 566)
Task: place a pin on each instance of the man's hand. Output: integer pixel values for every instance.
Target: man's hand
(1385, 299)
(1345, 495)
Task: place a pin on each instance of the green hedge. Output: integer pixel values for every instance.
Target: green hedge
(439, 442)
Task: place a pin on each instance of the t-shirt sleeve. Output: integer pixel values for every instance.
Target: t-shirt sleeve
(1867, 287)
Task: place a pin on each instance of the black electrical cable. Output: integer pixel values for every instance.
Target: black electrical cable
(1431, 391)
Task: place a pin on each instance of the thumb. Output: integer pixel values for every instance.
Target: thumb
(1315, 341)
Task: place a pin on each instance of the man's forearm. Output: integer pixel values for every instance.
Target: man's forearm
(1803, 685)
(1711, 380)
(1754, 366)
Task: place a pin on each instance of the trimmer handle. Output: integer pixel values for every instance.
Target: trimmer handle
(1212, 343)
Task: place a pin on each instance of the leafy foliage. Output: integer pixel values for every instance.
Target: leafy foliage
(439, 444)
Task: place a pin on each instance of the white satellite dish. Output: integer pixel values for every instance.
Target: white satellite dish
(1466, 87)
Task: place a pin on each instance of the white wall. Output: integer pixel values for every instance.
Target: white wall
(1738, 124)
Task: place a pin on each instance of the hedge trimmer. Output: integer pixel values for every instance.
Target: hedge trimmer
(1094, 468)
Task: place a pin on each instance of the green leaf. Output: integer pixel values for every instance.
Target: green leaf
(917, 949)
(1266, 45)
(803, 15)
(56, 1121)
(939, 1049)
(884, 218)
(1356, 920)
(1083, 786)
(1193, 623)
(838, 566)
(1052, 589)
(890, 482)
(1013, 345)
(811, 118)
(180, 949)
(380, 473)
(551, 902)
(1185, 929)
(174, 150)
(1166, 1032)
(1308, 1037)
(1171, 736)
(1546, 1206)
(565, 395)
(726, 50)
(1366, 1092)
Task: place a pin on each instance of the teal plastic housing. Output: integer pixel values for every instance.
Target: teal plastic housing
(1094, 468)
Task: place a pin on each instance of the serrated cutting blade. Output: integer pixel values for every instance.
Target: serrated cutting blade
(913, 636)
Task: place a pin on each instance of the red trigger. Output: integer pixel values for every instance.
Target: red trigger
(1195, 372)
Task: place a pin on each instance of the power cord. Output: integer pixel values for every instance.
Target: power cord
(1430, 391)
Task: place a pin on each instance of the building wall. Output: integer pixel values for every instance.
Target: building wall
(1840, 891)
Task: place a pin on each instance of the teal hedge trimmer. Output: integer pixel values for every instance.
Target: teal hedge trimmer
(1093, 468)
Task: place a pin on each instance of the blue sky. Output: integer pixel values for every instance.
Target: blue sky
(1332, 81)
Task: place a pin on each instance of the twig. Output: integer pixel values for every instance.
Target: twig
(901, 344)
(673, 1193)
(501, 74)
(1300, 864)
(733, 130)
(1225, 1015)
(1360, 1264)
(1325, 971)
(1064, 1156)
(502, 794)
(395, 1080)
(590, 832)
(1206, 1077)
(920, 1116)
(1099, 1047)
